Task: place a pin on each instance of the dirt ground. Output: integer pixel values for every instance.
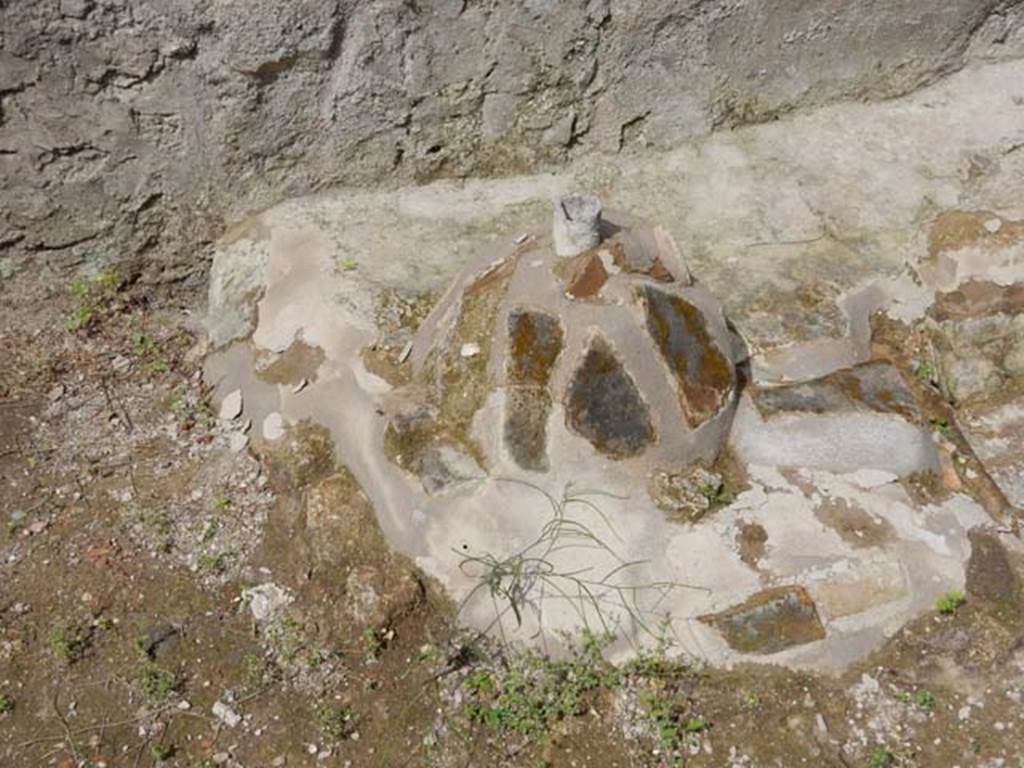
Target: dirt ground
(137, 539)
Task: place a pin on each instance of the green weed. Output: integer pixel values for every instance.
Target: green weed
(949, 603)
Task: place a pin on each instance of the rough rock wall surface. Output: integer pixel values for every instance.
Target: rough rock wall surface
(136, 128)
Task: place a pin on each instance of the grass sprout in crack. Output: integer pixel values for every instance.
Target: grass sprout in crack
(600, 596)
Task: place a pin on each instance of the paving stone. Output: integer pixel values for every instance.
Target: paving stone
(770, 621)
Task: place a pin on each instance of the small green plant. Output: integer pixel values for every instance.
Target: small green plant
(334, 721)
(147, 350)
(532, 692)
(221, 502)
(881, 758)
(90, 299)
(949, 603)
(157, 683)
(373, 641)
(258, 671)
(942, 426)
(924, 699)
(215, 564)
(6, 704)
(162, 752)
(925, 372)
(69, 641)
(349, 265)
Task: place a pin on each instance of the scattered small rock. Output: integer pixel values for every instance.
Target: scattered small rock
(231, 406)
(266, 600)
(273, 426)
(226, 714)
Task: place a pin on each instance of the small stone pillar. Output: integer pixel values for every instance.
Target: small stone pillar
(577, 225)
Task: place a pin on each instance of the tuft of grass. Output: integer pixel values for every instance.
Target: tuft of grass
(91, 299)
(881, 758)
(69, 641)
(162, 752)
(6, 704)
(523, 580)
(949, 603)
(157, 683)
(334, 721)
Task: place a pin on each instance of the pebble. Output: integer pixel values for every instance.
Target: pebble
(471, 349)
(231, 405)
(226, 714)
(273, 426)
(994, 225)
(300, 386)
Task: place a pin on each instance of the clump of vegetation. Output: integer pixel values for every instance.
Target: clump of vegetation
(6, 704)
(881, 758)
(923, 699)
(258, 671)
(91, 299)
(157, 683)
(949, 603)
(532, 692)
(335, 722)
(162, 752)
(216, 564)
(69, 641)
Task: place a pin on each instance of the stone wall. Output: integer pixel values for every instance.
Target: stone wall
(132, 130)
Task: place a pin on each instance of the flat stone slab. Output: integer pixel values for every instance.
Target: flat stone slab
(861, 417)
(995, 432)
(770, 621)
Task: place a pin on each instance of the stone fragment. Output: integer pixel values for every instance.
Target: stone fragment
(238, 441)
(703, 373)
(638, 253)
(688, 494)
(577, 224)
(585, 276)
(604, 405)
(977, 335)
(378, 597)
(231, 405)
(266, 600)
(770, 621)
(861, 417)
(226, 714)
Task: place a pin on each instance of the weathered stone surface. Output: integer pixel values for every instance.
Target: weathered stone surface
(703, 373)
(632, 252)
(101, 145)
(994, 431)
(990, 574)
(535, 341)
(977, 334)
(862, 417)
(604, 406)
(770, 621)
